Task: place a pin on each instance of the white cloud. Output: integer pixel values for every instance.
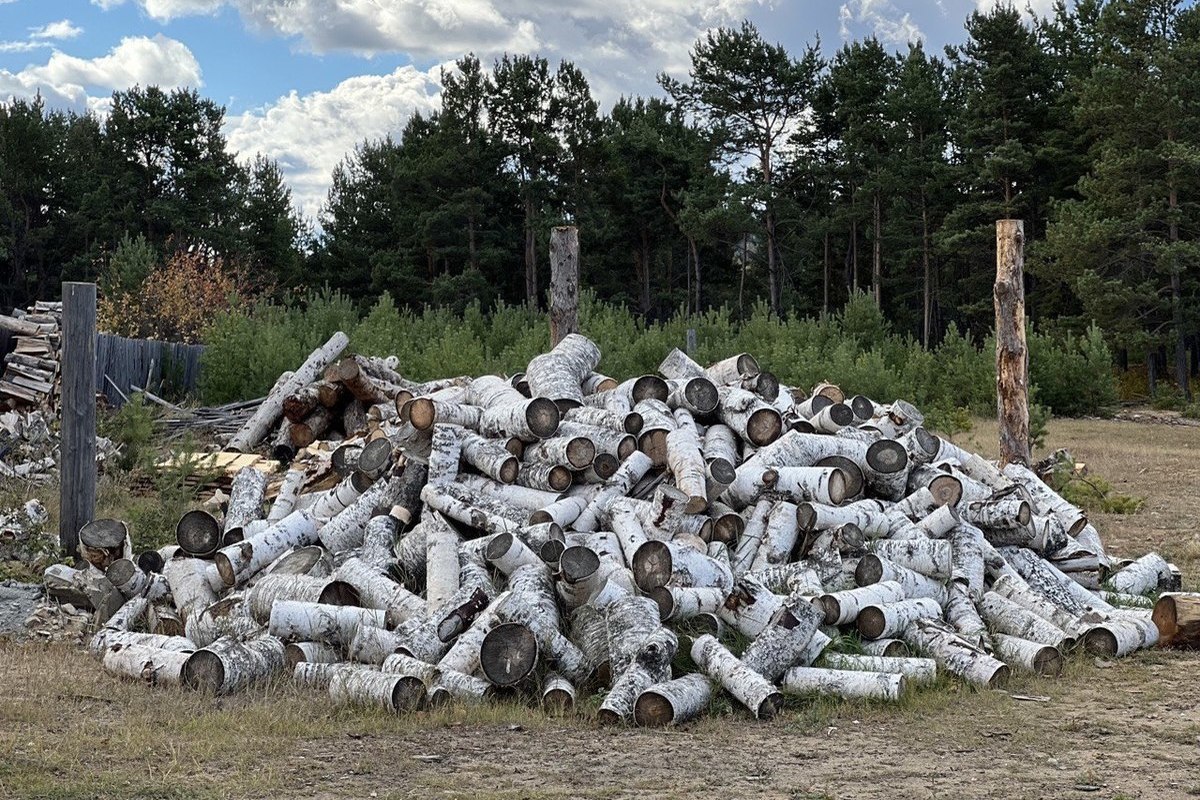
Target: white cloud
(21, 47)
(1040, 8)
(309, 134)
(63, 29)
(880, 17)
(80, 83)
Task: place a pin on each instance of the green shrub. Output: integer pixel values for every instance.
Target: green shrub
(131, 428)
(248, 348)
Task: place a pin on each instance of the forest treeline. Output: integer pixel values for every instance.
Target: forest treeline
(791, 178)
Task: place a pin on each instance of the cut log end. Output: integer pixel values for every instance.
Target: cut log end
(542, 416)
(653, 710)
(650, 387)
(203, 671)
(946, 490)
(577, 563)
(764, 426)
(652, 564)
(887, 456)
(508, 653)
(702, 395)
(852, 474)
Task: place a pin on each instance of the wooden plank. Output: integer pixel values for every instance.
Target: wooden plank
(19, 326)
(41, 387)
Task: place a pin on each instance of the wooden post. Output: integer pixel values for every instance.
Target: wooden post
(691, 341)
(78, 450)
(564, 282)
(1012, 355)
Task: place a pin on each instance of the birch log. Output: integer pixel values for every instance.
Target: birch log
(885, 620)
(1004, 616)
(373, 689)
(848, 684)
(269, 411)
(198, 533)
(1141, 576)
(245, 498)
(299, 621)
(229, 665)
(915, 670)
(239, 561)
(673, 702)
(650, 665)
(956, 655)
(696, 395)
(841, 608)
(441, 559)
(152, 665)
(1036, 657)
(748, 687)
(930, 557)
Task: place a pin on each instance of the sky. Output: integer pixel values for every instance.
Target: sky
(304, 81)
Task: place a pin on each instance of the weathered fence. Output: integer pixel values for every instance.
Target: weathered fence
(124, 363)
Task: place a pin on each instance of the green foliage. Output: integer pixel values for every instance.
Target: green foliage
(131, 427)
(1089, 491)
(131, 263)
(248, 349)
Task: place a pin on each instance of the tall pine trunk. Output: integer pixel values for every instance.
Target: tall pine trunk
(854, 252)
(877, 254)
(531, 281)
(696, 266)
(1181, 361)
(773, 277)
(928, 294)
(825, 294)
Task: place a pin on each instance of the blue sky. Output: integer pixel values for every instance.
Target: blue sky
(304, 80)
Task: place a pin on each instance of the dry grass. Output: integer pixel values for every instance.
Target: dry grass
(1132, 728)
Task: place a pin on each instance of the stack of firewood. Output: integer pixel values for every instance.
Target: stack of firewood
(558, 533)
(31, 369)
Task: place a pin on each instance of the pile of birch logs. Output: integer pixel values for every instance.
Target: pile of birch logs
(659, 540)
(31, 369)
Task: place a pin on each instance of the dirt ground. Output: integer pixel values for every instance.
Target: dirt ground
(1128, 729)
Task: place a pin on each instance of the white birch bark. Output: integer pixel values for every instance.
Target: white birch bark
(783, 644)
(441, 559)
(748, 687)
(289, 490)
(369, 688)
(963, 616)
(490, 457)
(846, 684)
(1016, 590)
(796, 578)
(245, 498)
(679, 603)
(1004, 616)
(299, 621)
(274, 587)
(1046, 499)
(651, 664)
(237, 562)
(807, 484)
(842, 608)
(696, 395)
(226, 617)
(229, 665)
(750, 418)
(869, 516)
(445, 452)
(885, 620)
(515, 497)
(560, 373)
(107, 637)
(189, 586)
(345, 530)
(461, 504)
(733, 369)
(780, 537)
(310, 653)
(151, 665)
(872, 569)
(750, 607)
(955, 655)
(930, 557)
(966, 559)
(1035, 657)
(376, 590)
(673, 702)
(632, 470)
(1141, 576)
(915, 670)
(751, 537)
(506, 552)
(833, 418)
(657, 563)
